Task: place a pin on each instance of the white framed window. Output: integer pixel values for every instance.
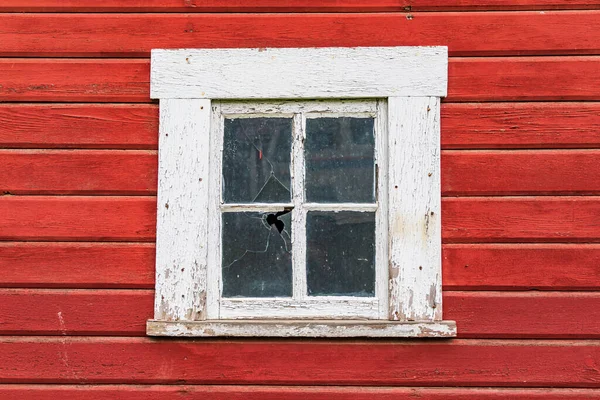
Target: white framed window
(299, 192)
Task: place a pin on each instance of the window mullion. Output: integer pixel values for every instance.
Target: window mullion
(299, 213)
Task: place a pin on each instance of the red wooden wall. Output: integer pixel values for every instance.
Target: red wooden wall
(521, 212)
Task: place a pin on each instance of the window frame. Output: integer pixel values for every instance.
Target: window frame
(189, 83)
(299, 306)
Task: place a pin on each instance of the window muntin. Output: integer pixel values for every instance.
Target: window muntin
(258, 293)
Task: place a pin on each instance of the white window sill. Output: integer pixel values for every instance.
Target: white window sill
(302, 328)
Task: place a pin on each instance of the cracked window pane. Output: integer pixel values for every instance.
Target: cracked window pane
(256, 160)
(340, 253)
(257, 254)
(340, 165)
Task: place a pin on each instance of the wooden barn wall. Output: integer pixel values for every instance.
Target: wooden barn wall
(521, 206)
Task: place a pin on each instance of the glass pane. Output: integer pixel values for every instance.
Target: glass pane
(340, 166)
(340, 253)
(257, 254)
(256, 160)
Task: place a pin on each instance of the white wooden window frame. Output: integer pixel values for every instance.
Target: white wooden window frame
(406, 83)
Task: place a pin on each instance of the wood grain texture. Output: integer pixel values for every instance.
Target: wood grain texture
(465, 34)
(525, 219)
(321, 328)
(465, 266)
(299, 73)
(414, 205)
(464, 125)
(263, 392)
(182, 210)
(521, 125)
(470, 79)
(114, 126)
(476, 219)
(523, 79)
(192, 6)
(77, 265)
(459, 362)
(558, 315)
(540, 172)
(464, 173)
(521, 266)
(565, 315)
(87, 80)
(78, 218)
(87, 171)
(75, 312)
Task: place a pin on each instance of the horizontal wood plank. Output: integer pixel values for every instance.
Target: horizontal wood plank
(78, 218)
(464, 125)
(521, 266)
(470, 79)
(77, 265)
(523, 219)
(520, 172)
(256, 6)
(118, 126)
(465, 34)
(464, 173)
(464, 220)
(559, 315)
(71, 172)
(70, 80)
(520, 125)
(508, 363)
(229, 392)
(465, 266)
(524, 314)
(523, 79)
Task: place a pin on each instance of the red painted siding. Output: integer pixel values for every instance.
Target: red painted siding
(521, 208)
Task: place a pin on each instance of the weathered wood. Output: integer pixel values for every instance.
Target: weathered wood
(510, 363)
(328, 307)
(98, 126)
(131, 172)
(77, 265)
(465, 266)
(520, 172)
(264, 392)
(298, 73)
(525, 219)
(72, 80)
(464, 126)
(465, 173)
(298, 306)
(183, 192)
(521, 125)
(414, 206)
(465, 34)
(288, 6)
(523, 79)
(524, 314)
(313, 329)
(75, 312)
(478, 219)
(521, 266)
(48, 218)
(475, 79)
(573, 315)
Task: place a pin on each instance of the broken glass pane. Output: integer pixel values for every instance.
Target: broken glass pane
(256, 160)
(340, 253)
(257, 254)
(340, 164)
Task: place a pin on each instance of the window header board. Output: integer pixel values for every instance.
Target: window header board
(299, 73)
